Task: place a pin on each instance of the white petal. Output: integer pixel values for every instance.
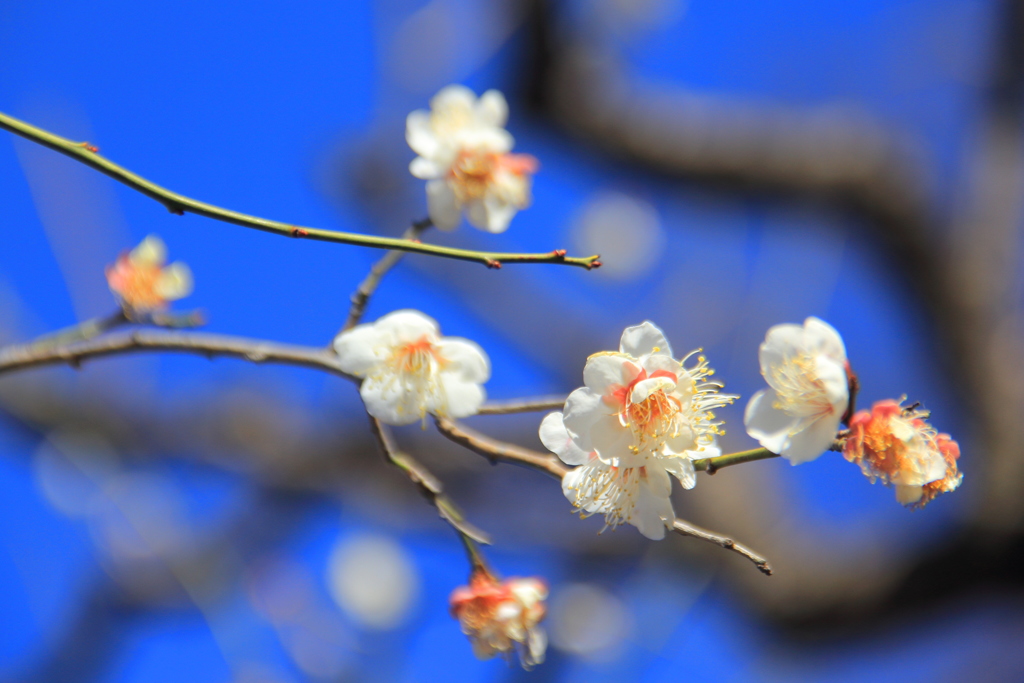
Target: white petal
(652, 511)
(454, 96)
(573, 480)
(151, 252)
(390, 402)
(770, 426)
(361, 349)
(175, 282)
(661, 362)
(537, 644)
(465, 358)
(605, 371)
(424, 168)
(610, 439)
(833, 377)
(408, 325)
(420, 134)
(492, 109)
(459, 397)
(583, 408)
(656, 478)
(644, 388)
(821, 337)
(442, 205)
(643, 339)
(815, 437)
(682, 469)
(557, 440)
(780, 343)
(683, 441)
(491, 215)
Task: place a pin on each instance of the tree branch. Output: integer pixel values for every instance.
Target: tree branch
(431, 488)
(527, 405)
(179, 204)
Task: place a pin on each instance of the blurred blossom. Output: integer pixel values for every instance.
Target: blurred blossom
(502, 617)
(142, 283)
(895, 445)
(589, 622)
(626, 230)
(71, 468)
(373, 579)
(139, 517)
(465, 157)
(806, 370)
(410, 370)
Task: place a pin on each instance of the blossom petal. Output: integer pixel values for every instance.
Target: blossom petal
(492, 109)
(583, 408)
(820, 337)
(682, 469)
(536, 645)
(459, 398)
(574, 480)
(151, 252)
(390, 402)
(643, 339)
(361, 349)
(780, 343)
(832, 376)
(767, 424)
(465, 358)
(606, 370)
(813, 438)
(644, 388)
(175, 282)
(660, 362)
(907, 494)
(419, 133)
(557, 440)
(453, 96)
(442, 205)
(424, 168)
(408, 325)
(652, 511)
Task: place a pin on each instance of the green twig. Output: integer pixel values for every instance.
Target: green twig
(712, 465)
(179, 204)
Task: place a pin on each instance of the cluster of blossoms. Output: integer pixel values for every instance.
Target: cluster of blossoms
(502, 617)
(641, 416)
(465, 157)
(895, 445)
(143, 284)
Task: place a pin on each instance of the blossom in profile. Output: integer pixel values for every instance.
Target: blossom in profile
(897, 446)
(143, 283)
(641, 416)
(798, 415)
(410, 370)
(465, 157)
(502, 617)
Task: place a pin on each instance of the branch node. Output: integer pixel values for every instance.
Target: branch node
(491, 263)
(559, 254)
(299, 232)
(594, 264)
(89, 148)
(175, 209)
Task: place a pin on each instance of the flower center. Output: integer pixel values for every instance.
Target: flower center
(138, 287)
(799, 391)
(417, 358)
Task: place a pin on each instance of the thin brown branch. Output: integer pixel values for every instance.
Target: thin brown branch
(369, 285)
(522, 405)
(499, 451)
(24, 356)
(431, 488)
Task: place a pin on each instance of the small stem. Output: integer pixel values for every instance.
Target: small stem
(179, 204)
(369, 285)
(522, 405)
(712, 465)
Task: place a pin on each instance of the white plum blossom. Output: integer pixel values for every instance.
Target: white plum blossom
(806, 370)
(409, 370)
(641, 416)
(464, 155)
